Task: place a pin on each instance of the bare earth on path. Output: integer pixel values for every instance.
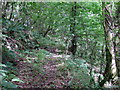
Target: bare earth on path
(34, 79)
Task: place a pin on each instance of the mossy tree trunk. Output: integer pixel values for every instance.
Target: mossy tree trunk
(111, 69)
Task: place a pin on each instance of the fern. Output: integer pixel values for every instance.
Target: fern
(7, 78)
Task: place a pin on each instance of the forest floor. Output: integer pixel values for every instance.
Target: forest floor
(49, 77)
(46, 73)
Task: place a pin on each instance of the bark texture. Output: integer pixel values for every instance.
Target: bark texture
(111, 69)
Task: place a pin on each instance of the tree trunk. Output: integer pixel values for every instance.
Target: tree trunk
(48, 29)
(11, 10)
(110, 70)
(73, 46)
(117, 42)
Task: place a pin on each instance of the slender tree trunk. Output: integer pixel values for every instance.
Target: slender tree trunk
(73, 46)
(48, 29)
(86, 51)
(11, 11)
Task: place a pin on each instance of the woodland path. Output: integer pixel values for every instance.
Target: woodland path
(50, 78)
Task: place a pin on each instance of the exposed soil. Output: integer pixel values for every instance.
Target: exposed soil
(51, 77)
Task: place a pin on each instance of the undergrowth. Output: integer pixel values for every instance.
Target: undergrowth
(77, 70)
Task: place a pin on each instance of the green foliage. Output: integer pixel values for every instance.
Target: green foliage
(43, 41)
(11, 26)
(8, 56)
(41, 55)
(40, 61)
(7, 85)
(17, 79)
(78, 70)
(27, 23)
(7, 77)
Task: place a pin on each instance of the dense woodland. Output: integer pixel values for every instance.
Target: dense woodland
(60, 45)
